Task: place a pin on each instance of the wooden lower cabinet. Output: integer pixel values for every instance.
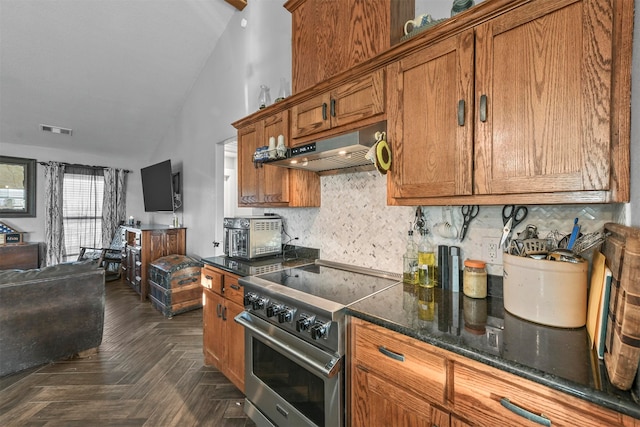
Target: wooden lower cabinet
(395, 380)
(378, 402)
(223, 338)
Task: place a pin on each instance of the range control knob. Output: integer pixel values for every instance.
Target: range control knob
(285, 315)
(259, 303)
(249, 298)
(319, 330)
(273, 309)
(303, 323)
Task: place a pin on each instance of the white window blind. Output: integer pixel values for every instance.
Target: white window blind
(82, 212)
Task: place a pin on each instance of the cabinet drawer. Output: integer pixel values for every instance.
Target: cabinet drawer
(480, 393)
(233, 290)
(417, 367)
(212, 279)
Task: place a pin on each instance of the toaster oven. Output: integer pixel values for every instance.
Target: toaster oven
(250, 237)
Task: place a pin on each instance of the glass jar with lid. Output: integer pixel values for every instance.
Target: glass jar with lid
(474, 278)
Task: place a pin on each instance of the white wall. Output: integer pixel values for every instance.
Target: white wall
(34, 227)
(226, 91)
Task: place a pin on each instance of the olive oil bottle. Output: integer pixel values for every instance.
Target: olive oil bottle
(410, 261)
(426, 262)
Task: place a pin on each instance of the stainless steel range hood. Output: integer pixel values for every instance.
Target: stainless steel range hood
(335, 155)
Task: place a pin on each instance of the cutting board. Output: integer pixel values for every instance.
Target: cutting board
(621, 249)
(595, 296)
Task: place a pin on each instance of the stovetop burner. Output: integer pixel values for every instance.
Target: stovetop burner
(330, 283)
(309, 301)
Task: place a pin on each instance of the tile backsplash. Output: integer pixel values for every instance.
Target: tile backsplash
(355, 225)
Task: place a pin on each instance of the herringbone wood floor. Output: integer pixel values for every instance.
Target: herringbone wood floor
(148, 371)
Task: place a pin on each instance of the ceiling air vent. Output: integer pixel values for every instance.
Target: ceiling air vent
(55, 129)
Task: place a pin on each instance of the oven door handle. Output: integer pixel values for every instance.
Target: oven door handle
(328, 369)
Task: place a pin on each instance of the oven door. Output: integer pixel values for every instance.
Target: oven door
(289, 382)
(236, 243)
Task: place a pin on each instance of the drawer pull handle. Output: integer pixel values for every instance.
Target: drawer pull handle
(219, 310)
(224, 313)
(461, 112)
(540, 419)
(236, 287)
(324, 111)
(391, 354)
(333, 107)
(208, 277)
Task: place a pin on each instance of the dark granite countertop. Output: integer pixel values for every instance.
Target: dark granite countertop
(482, 330)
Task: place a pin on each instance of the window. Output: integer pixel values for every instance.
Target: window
(82, 209)
(17, 187)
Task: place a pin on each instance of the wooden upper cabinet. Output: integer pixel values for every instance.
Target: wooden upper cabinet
(357, 100)
(259, 183)
(545, 72)
(267, 185)
(530, 106)
(332, 36)
(430, 120)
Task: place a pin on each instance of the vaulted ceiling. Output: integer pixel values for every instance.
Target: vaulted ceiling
(116, 72)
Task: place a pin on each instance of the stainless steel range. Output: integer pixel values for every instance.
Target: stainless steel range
(294, 323)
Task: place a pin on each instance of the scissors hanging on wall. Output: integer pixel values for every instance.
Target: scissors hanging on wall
(512, 215)
(469, 212)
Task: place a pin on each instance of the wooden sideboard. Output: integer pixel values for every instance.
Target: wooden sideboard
(22, 256)
(144, 244)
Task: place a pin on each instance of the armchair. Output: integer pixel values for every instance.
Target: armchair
(107, 258)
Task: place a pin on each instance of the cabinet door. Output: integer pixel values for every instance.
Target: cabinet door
(174, 242)
(376, 402)
(430, 122)
(274, 181)
(311, 116)
(235, 345)
(544, 80)
(249, 139)
(213, 340)
(157, 245)
(357, 100)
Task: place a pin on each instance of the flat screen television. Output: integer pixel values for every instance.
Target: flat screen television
(157, 187)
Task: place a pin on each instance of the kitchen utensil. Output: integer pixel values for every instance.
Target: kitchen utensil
(383, 153)
(469, 212)
(511, 216)
(534, 247)
(574, 234)
(446, 229)
(564, 255)
(588, 241)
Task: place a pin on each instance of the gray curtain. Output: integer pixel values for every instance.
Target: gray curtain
(53, 226)
(114, 203)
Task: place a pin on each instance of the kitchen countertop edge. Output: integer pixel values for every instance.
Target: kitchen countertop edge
(585, 393)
